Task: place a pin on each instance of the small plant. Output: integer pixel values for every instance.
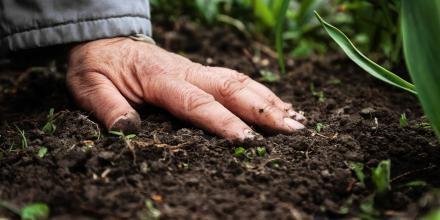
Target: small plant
(381, 177)
(358, 169)
(318, 94)
(261, 151)
(268, 76)
(152, 212)
(122, 135)
(403, 121)
(49, 127)
(23, 139)
(319, 127)
(42, 152)
(239, 151)
(34, 211)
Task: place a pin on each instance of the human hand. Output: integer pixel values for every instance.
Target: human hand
(105, 76)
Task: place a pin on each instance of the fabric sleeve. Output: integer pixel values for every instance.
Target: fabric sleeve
(28, 24)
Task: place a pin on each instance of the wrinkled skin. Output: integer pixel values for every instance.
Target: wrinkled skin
(109, 76)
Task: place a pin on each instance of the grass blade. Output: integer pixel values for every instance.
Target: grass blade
(362, 61)
(421, 36)
(263, 12)
(279, 45)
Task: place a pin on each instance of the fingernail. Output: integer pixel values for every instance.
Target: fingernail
(292, 124)
(297, 116)
(130, 122)
(250, 134)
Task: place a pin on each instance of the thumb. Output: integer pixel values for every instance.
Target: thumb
(95, 93)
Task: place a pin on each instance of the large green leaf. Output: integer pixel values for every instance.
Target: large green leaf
(421, 40)
(361, 60)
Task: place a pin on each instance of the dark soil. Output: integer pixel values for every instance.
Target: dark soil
(189, 174)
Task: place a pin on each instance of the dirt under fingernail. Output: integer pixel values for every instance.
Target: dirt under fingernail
(128, 123)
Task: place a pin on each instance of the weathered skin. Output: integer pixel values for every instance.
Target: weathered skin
(108, 76)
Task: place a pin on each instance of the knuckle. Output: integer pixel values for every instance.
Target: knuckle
(228, 121)
(193, 100)
(229, 87)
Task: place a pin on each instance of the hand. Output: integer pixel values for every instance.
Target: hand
(105, 76)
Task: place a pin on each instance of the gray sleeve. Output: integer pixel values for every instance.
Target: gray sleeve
(27, 24)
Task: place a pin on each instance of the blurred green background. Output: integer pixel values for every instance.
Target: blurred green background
(373, 25)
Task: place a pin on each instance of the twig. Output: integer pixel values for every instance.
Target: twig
(412, 172)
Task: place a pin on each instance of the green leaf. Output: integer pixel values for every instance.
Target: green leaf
(261, 151)
(130, 136)
(268, 76)
(381, 176)
(421, 37)
(358, 169)
(152, 212)
(263, 12)
(319, 127)
(239, 151)
(415, 184)
(42, 152)
(117, 133)
(35, 211)
(403, 121)
(279, 41)
(433, 215)
(362, 61)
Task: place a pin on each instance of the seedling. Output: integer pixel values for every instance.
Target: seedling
(318, 94)
(49, 127)
(403, 121)
(122, 135)
(239, 151)
(268, 76)
(127, 139)
(381, 177)
(319, 127)
(358, 169)
(152, 212)
(42, 152)
(261, 151)
(34, 211)
(24, 143)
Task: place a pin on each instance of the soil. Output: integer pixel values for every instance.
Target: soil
(189, 174)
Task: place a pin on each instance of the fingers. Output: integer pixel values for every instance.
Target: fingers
(190, 103)
(96, 93)
(271, 97)
(233, 91)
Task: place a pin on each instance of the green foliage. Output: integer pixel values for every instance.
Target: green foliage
(279, 41)
(319, 127)
(421, 34)
(268, 76)
(122, 135)
(318, 94)
(152, 213)
(42, 151)
(358, 169)
(261, 151)
(35, 211)
(23, 139)
(239, 151)
(381, 176)
(433, 215)
(403, 121)
(49, 127)
(362, 61)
